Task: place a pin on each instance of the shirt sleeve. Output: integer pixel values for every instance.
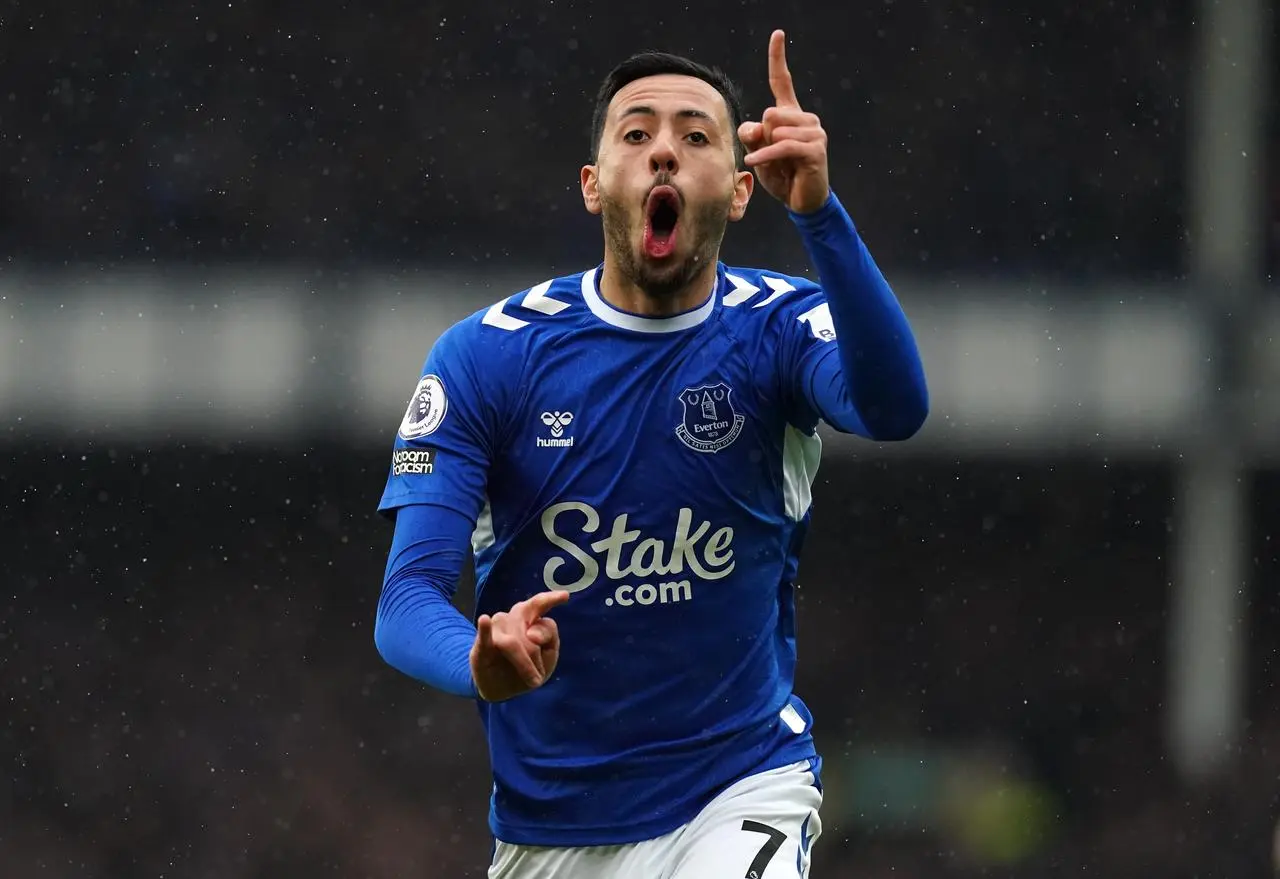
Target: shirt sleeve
(447, 439)
(813, 381)
(849, 354)
(418, 631)
(435, 490)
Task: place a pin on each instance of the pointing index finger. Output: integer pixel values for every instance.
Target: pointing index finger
(784, 90)
(539, 604)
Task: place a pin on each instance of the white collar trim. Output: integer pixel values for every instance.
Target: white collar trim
(638, 323)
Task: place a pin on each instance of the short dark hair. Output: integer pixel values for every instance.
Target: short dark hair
(657, 64)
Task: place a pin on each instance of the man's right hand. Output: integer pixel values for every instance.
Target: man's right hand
(516, 651)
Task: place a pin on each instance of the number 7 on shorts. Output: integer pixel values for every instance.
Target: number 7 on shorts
(767, 851)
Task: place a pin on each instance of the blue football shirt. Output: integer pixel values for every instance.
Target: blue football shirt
(660, 470)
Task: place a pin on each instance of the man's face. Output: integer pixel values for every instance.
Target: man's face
(665, 180)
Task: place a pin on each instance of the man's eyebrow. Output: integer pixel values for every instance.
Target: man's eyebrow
(645, 110)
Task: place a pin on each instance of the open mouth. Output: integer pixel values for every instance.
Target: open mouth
(662, 217)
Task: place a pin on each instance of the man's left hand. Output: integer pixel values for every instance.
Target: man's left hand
(787, 148)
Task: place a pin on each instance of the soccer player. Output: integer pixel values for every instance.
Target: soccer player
(629, 452)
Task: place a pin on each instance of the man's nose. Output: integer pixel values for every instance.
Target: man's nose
(663, 156)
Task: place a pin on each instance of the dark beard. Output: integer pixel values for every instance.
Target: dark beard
(663, 283)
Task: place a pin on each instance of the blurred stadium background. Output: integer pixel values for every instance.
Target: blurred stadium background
(1039, 640)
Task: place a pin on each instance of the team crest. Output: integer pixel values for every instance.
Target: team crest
(710, 422)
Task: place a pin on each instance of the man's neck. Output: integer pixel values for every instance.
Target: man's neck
(624, 295)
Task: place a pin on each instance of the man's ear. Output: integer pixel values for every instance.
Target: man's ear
(743, 185)
(591, 188)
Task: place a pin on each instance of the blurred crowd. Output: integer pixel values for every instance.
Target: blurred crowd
(966, 138)
(197, 693)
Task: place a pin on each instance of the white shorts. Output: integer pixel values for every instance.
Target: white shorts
(762, 827)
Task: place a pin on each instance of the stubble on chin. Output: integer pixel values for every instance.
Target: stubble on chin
(666, 280)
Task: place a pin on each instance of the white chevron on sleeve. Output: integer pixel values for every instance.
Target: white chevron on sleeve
(538, 300)
(496, 317)
(742, 291)
(779, 288)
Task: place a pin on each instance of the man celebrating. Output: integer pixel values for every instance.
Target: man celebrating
(629, 452)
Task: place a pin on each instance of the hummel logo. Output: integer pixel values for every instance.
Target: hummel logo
(557, 422)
